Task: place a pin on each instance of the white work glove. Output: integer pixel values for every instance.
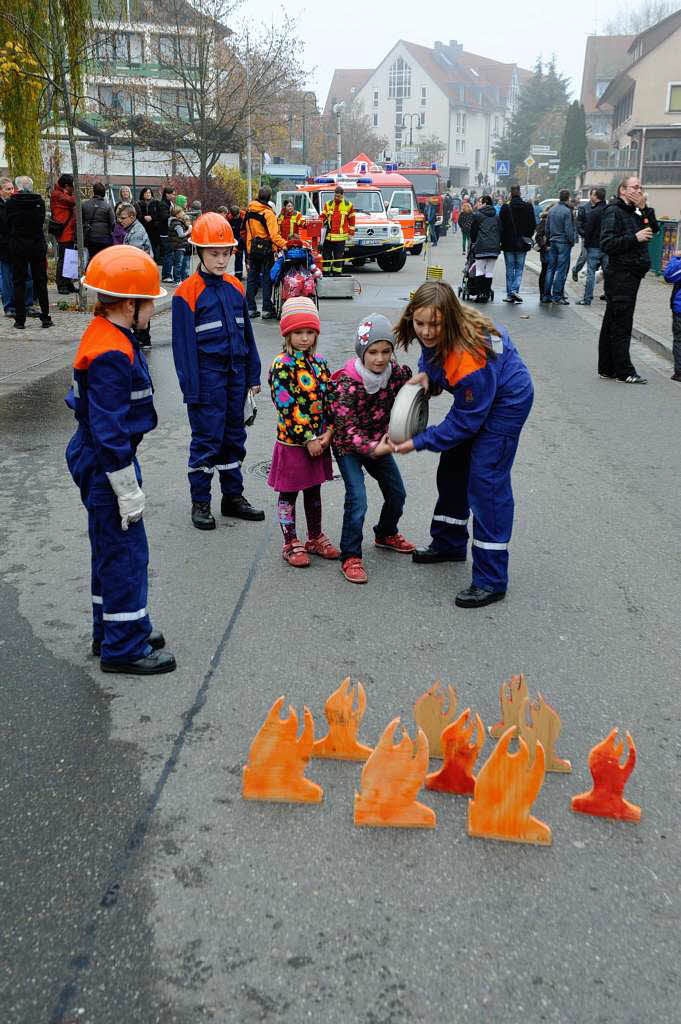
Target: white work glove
(130, 495)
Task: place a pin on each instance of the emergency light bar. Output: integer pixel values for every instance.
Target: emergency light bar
(324, 181)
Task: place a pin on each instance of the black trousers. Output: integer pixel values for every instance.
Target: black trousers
(332, 256)
(94, 247)
(34, 257)
(621, 289)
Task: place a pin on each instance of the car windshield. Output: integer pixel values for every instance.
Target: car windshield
(424, 184)
(399, 199)
(363, 202)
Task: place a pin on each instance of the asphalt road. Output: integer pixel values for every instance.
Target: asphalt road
(137, 885)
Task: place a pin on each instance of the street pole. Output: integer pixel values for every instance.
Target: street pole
(338, 110)
(132, 141)
(249, 151)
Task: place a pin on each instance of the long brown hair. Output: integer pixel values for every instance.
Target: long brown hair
(463, 329)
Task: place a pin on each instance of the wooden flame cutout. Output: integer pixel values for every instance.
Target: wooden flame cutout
(505, 789)
(390, 782)
(512, 697)
(456, 774)
(544, 726)
(276, 760)
(430, 714)
(610, 777)
(341, 741)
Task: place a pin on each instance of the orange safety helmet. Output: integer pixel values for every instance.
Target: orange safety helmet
(212, 230)
(125, 272)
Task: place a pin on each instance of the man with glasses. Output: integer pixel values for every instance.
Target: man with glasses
(627, 225)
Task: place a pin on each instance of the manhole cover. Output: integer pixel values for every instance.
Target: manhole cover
(263, 468)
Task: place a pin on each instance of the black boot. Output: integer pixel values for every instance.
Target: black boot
(202, 517)
(430, 555)
(238, 507)
(155, 640)
(477, 597)
(153, 664)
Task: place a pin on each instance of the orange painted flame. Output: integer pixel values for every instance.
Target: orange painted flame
(391, 780)
(609, 779)
(456, 774)
(505, 789)
(276, 759)
(431, 716)
(512, 696)
(341, 740)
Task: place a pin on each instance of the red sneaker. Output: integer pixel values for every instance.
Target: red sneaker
(354, 571)
(294, 553)
(396, 543)
(321, 546)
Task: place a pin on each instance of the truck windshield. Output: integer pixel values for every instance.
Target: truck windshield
(424, 184)
(363, 202)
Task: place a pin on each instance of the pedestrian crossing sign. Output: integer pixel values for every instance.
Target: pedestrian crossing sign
(503, 168)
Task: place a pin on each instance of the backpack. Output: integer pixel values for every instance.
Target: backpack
(261, 248)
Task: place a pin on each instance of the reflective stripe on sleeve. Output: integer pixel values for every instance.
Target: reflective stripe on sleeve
(488, 546)
(209, 327)
(452, 522)
(96, 599)
(124, 616)
(136, 395)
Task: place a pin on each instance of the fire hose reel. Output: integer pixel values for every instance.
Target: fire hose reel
(409, 414)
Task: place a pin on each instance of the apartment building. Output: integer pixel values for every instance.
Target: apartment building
(417, 92)
(604, 58)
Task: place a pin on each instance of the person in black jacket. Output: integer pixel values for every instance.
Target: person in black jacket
(147, 209)
(28, 248)
(165, 208)
(486, 245)
(518, 224)
(6, 282)
(627, 225)
(98, 221)
(591, 238)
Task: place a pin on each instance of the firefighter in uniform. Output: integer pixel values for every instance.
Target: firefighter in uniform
(290, 221)
(338, 217)
(112, 398)
(217, 364)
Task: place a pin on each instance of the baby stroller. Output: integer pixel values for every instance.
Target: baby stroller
(472, 286)
(294, 273)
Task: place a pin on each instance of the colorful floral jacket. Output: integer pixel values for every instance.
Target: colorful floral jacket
(359, 419)
(300, 392)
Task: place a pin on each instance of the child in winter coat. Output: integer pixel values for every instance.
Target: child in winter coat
(363, 395)
(126, 216)
(299, 382)
(179, 238)
(672, 274)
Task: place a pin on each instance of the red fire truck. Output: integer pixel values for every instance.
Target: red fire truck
(427, 184)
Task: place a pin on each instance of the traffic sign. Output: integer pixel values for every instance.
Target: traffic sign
(503, 168)
(529, 161)
(543, 151)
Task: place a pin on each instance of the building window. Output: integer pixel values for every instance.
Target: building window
(601, 85)
(458, 145)
(477, 159)
(173, 103)
(399, 106)
(422, 119)
(375, 120)
(399, 80)
(463, 125)
(114, 101)
(663, 149)
(375, 97)
(424, 95)
(463, 145)
(674, 98)
(623, 108)
(458, 125)
(167, 52)
(496, 126)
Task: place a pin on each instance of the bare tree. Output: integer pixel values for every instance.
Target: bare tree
(357, 134)
(222, 80)
(629, 21)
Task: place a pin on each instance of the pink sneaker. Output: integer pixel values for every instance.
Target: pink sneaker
(396, 543)
(322, 546)
(354, 571)
(294, 554)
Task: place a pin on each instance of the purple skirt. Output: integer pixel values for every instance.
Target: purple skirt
(294, 469)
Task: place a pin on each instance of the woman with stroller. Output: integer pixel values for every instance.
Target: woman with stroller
(485, 245)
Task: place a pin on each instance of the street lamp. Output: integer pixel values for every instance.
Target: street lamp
(411, 125)
(338, 109)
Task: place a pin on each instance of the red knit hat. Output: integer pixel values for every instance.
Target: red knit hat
(298, 314)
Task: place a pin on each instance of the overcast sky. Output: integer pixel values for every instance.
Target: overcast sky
(354, 34)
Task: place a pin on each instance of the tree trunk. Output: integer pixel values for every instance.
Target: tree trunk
(80, 241)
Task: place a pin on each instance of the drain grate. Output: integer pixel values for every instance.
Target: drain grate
(263, 468)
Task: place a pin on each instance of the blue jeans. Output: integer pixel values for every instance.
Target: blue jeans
(180, 265)
(515, 264)
(166, 257)
(386, 474)
(593, 262)
(556, 270)
(7, 286)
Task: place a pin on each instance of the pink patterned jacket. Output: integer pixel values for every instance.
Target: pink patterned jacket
(359, 419)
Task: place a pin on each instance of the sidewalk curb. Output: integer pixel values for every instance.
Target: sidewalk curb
(661, 346)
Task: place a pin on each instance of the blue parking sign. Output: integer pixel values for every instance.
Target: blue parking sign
(503, 168)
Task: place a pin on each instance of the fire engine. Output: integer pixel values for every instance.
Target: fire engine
(379, 237)
(427, 184)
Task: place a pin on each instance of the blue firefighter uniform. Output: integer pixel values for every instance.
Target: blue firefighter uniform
(217, 362)
(477, 440)
(112, 398)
